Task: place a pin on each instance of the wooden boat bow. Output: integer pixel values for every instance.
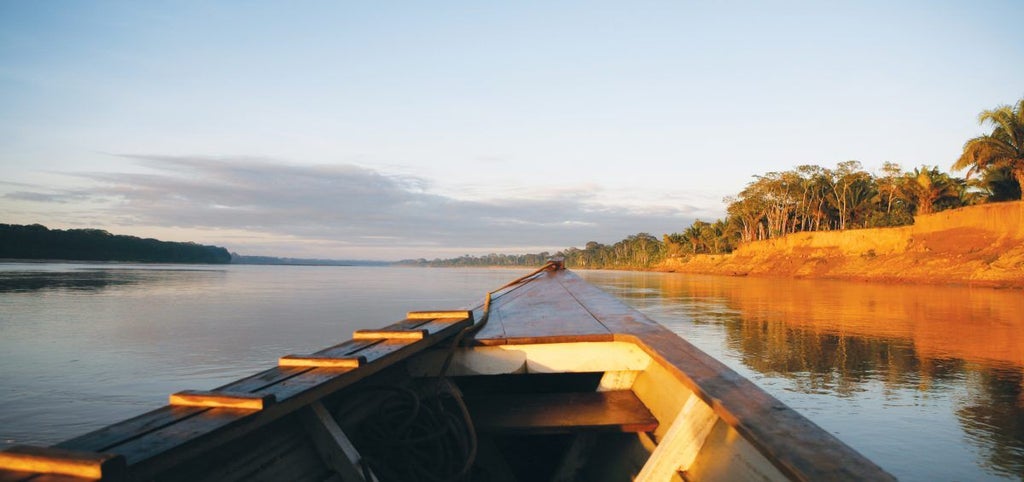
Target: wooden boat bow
(693, 416)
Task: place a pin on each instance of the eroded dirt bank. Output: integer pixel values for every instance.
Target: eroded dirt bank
(978, 245)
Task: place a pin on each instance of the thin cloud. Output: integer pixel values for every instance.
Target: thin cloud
(355, 206)
(61, 197)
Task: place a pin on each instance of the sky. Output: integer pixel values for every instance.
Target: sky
(393, 130)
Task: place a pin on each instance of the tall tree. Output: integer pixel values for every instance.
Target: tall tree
(929, 187)
(850, 187)
(1002, 148)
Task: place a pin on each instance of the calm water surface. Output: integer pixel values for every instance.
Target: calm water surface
(926, 381)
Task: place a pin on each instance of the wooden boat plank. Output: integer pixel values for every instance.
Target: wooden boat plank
(205, 398)
(796, 445)
(682, 442)
(279, 374)
(191, 436)
(331, 442)
(453, 315)
(546, 312)
(610, 311)
(107, 437)
(275, 376)
(20, 476)
(385, 334)
(493, 333)
(617, 411)
(279, 451)
(315, 378)
(556, 307)
(58, 461)
(164, 440)
(321, 361)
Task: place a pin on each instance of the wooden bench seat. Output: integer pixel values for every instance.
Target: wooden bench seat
(543, 413)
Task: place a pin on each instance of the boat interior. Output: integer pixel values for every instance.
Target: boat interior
(553, 379)
(596, 411)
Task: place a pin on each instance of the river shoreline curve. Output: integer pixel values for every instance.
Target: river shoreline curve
(979, 245)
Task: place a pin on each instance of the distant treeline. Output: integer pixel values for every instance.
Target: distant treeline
(273, 260)
(808, 198)
(637, 251)
(815, 198)
(39, 242)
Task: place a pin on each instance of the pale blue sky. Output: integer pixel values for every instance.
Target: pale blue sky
(403, 129)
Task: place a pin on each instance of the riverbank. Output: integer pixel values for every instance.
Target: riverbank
(978, 245)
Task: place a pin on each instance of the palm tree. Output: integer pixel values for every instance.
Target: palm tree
(930, 187)
(1002, 149)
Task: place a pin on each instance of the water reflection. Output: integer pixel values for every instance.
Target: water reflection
(26, 280)
(863, 341)
(86, 345)
(993, 417)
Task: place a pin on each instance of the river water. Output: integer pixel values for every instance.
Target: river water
(926, 381)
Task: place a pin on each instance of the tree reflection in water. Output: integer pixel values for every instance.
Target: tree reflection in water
(26, 280)
(993, 416)
(85, 280)
(843, 339)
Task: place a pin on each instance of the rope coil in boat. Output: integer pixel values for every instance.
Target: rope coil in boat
(428, 435)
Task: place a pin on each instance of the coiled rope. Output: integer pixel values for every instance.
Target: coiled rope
(428, 436)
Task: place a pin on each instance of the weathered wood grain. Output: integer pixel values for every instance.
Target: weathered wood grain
(453, 315)
(332, 444)
(56, 461)
(555, 307)
(389, 334)
(683, 441)
(159, 439)
(616, 411)
(542, 311)
(221, 399)
(321, 361)
(794, 444)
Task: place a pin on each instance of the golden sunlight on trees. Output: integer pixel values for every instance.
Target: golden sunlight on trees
(1002, 149)
(816, 198)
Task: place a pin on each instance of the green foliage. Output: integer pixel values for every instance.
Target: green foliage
(815, 198)
(637, 251)
(997, 185)
(38, 242)
(1000, 150)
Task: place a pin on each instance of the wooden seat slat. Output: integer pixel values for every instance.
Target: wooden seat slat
(321, 361)
(544, 313)
(616, 411)
(790, 441)
(104, 438)
(171, 429)
(389, 334)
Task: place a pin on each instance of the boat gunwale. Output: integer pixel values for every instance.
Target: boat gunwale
(795, 445)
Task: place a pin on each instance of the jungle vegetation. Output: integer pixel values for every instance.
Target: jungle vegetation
(38, 242)
(817, 198)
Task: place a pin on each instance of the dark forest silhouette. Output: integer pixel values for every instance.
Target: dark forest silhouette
(39, 242)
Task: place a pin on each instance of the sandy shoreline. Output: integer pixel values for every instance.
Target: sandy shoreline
(977, 246)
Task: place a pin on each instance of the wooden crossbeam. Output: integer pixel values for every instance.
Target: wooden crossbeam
(49, 460)
(438, 315)
(322, 361)
(333, 445)
(682, 443)
(198, 398)
(615, 411)
(390, 334)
